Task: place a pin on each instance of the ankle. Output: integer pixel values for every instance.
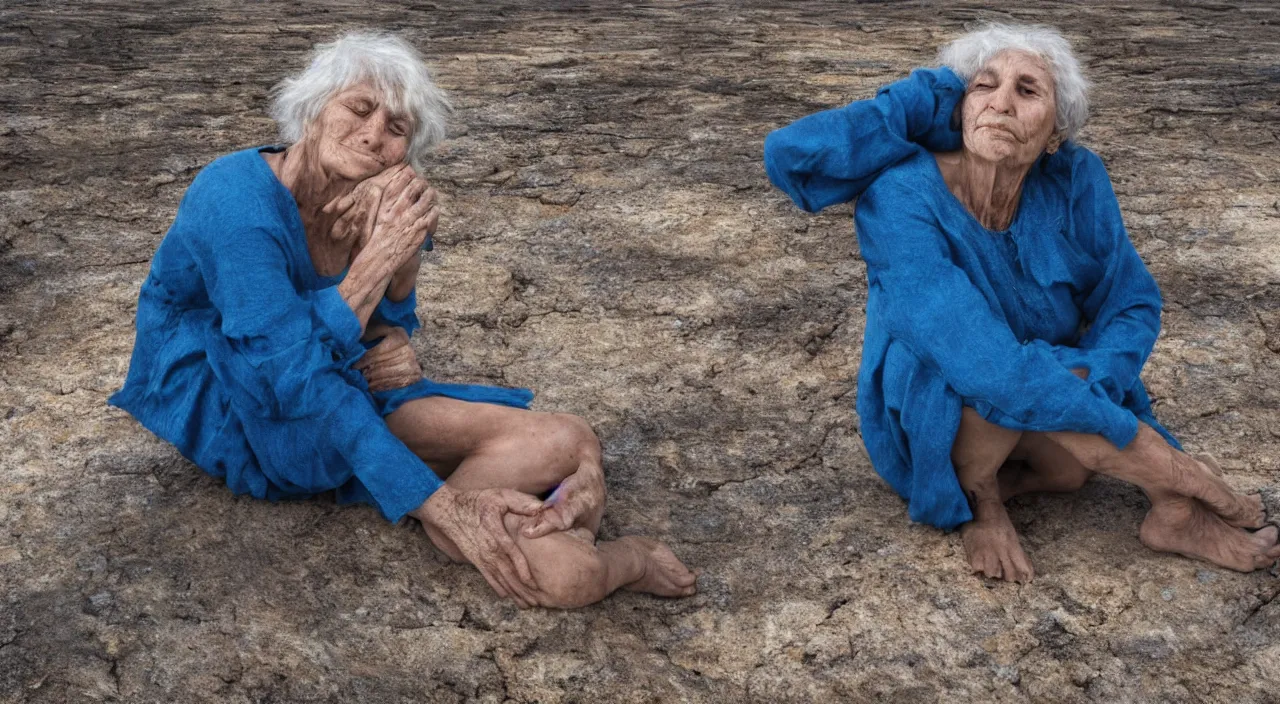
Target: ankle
(628, 558)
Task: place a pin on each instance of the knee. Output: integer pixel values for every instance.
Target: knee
(980, 448)
(573, 436)
(1073, 479)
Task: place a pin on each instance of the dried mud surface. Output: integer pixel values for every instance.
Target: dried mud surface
(611, 240)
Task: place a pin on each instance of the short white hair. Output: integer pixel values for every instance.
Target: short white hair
(389, 63)
(968, 54)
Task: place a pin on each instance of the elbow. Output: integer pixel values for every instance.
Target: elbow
(778, 175)
(779, 166)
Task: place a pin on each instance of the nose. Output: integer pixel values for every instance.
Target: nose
(373, 130)
(1002, 98)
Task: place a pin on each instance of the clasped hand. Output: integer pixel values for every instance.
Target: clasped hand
(476, 523)
(388, 217)
(385, 220)
(392, 363)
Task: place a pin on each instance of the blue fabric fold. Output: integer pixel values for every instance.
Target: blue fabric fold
(390, 401)
(244, 355)
(832, 156)
(959, 315)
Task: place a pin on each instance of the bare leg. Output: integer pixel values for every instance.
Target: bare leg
(1040, 465)
(1193, 511)
(573, 570)
(990, 542)
(492, 446)
(1160, 470)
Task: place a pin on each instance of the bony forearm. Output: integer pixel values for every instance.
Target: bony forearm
(364, 286)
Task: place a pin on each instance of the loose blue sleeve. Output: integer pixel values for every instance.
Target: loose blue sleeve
(1123, 310)
(281, 353)
(832, 156)
(930, 304)
(401, 314)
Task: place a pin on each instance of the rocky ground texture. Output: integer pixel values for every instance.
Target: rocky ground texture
(610, 239)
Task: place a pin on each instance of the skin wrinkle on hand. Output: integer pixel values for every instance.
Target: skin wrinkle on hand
(355, 137)
(1122, 642)
(363, 207)
(1008, 118)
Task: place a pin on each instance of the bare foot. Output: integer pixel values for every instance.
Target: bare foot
(1252, 513)
(664, 574)
(1182, 525)
(991, 544)
(1195, 478)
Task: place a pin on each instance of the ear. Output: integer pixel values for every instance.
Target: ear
(1055, 141)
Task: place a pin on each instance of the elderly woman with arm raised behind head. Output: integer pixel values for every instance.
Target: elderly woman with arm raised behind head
(1008, 314)
(273, 346)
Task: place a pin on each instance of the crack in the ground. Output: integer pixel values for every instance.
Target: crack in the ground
(1262, 602)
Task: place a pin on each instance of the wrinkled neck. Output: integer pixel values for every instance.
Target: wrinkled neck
(301, 171)
(989, 190)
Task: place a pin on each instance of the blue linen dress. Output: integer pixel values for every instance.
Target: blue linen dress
(243, 356)
(959, 315)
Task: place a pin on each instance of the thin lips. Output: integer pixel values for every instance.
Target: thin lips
(364, 154)
(1004, 129)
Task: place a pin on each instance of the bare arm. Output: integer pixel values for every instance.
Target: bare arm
(392, 216)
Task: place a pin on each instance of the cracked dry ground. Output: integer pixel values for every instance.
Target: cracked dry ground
(610, 240)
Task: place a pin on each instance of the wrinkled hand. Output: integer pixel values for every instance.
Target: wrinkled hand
(579, 498)
(357, 211)
(473, 520)
(392, 363)
(406, 214)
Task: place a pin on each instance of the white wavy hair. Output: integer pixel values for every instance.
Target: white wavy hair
(968, 54)
(394, 68)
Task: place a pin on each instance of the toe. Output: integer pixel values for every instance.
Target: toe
(1266, 538)
(1010, 569)
(1023, 573)
(1255, 515)
(1272, 553)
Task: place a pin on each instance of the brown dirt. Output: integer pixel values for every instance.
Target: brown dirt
(611, 240)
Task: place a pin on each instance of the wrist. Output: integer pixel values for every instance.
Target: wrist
(376, 261)
(430, 510)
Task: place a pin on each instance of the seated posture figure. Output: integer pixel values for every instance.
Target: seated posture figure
(1008, 314)
(273, 346)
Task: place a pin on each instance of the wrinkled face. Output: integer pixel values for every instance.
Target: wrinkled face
(1009, 109)
(357, 135)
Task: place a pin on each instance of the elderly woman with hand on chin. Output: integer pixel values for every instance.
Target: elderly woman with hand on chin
(273, 346)
(1008, 314)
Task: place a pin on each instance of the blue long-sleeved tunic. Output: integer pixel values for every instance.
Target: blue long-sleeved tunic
(958, 315)
(243, 356)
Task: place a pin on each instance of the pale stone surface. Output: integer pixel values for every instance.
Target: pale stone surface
(610, 239)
